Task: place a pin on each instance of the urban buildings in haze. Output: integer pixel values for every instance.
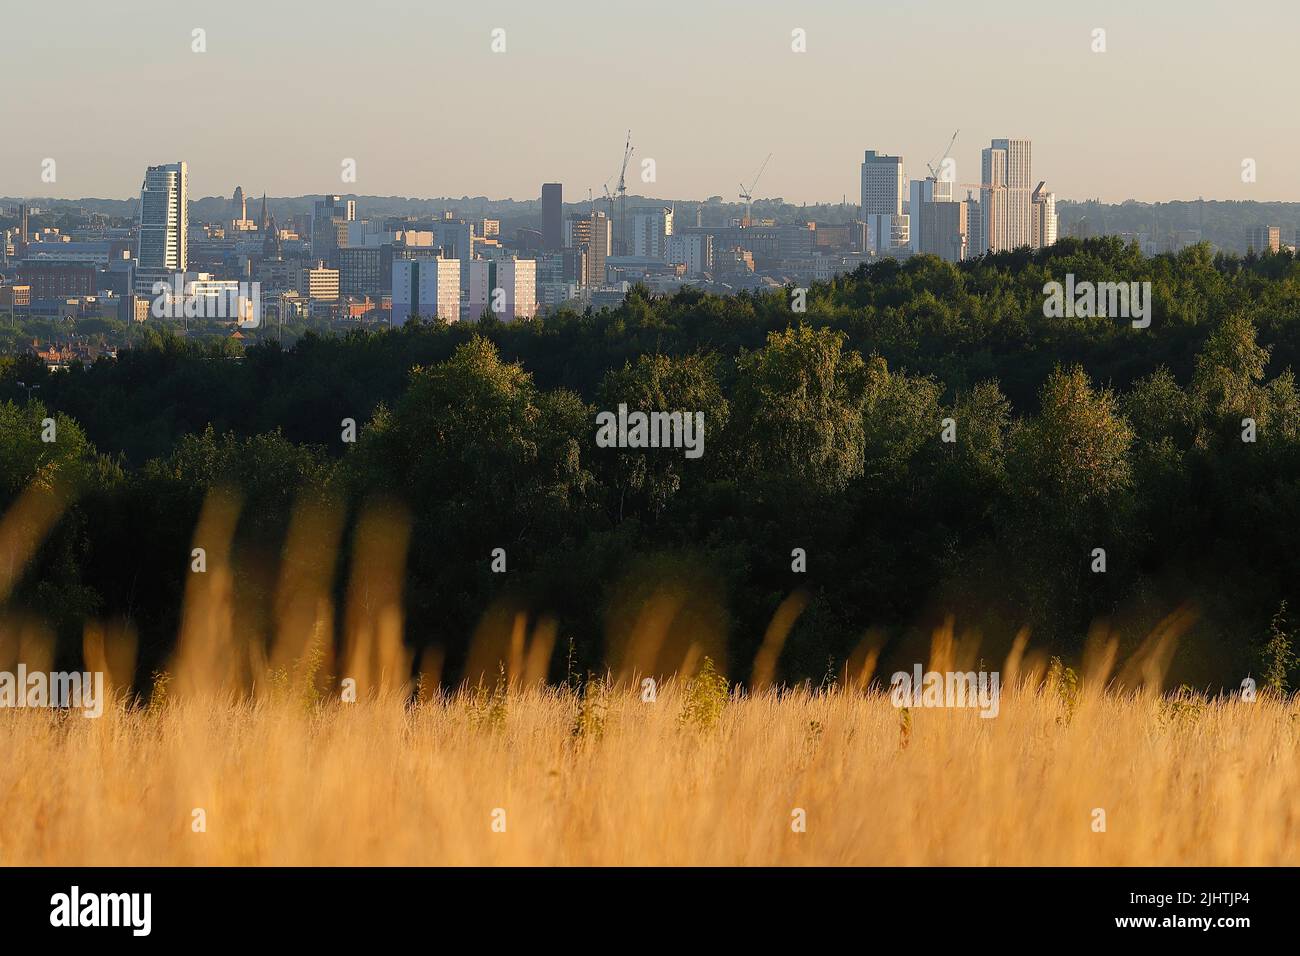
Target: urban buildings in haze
(329, 226)
(329, 260)
(1262, 239)
(1008, 212)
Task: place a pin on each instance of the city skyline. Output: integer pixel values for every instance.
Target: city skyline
(706, 92)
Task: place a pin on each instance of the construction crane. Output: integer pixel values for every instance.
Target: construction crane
(621, 192)
(934, 170)
(748, 194)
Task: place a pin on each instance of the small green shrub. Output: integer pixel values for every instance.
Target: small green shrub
(593, 705)
(158, 694)
(706, 696)
(487, 708)
(1185, 704)
(1278, 657)
(1065, 682)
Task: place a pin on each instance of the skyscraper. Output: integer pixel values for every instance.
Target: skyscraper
(1007, 167)
(1044, 217)
(993, 203)
(883, 186)
(590, 235)
(553, 216)
(164, 225)
(976, 244)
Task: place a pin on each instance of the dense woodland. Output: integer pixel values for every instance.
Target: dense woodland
(823, 432)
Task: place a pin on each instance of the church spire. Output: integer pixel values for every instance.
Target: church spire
(271, 240)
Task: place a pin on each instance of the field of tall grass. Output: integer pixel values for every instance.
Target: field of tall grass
(377, 782)
(252, 752)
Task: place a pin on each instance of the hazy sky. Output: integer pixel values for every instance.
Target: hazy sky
(412, 91)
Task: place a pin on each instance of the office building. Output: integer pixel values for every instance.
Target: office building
(329, 226)
(361, 271)
(882, 184)
(52, 279)
(795, 240)
(320, 283)
(883, 188)
(280, 275)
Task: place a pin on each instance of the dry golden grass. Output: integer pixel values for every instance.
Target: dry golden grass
(253, 732)
(376, 782)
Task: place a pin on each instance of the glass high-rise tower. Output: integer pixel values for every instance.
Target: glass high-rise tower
(164, 225)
